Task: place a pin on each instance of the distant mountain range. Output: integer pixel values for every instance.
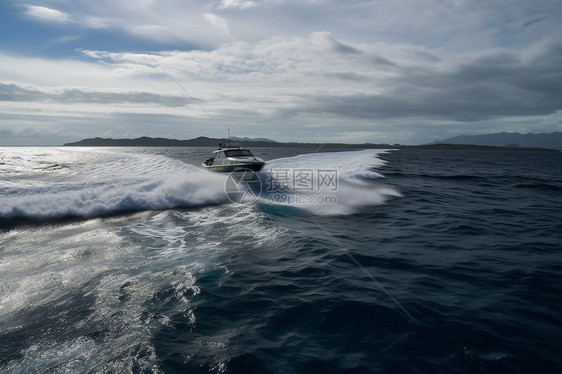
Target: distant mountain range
(204, 141)
(491, 141)
(246, 139)
(509, 139)
(145, 141)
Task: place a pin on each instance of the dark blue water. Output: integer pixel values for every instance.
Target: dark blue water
(451, 264)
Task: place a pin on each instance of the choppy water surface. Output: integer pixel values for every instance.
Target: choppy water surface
(136, 260)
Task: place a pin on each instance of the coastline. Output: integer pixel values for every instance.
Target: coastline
(211, 142)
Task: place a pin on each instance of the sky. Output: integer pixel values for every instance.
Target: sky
(354, 71)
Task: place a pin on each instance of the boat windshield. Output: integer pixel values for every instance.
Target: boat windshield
(238, 152)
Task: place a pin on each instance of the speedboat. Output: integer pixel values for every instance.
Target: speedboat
(232, 157)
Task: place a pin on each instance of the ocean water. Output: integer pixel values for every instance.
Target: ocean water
(126, 260)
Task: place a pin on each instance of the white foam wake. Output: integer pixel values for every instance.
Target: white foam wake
(352, 164)
(84, 201)
(330, 183)
(89, 183)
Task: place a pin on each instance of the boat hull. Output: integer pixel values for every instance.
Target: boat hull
(255, 166)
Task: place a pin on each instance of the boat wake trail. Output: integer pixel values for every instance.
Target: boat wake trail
(331, 183)
(86, 201)
(46, 184)
(87, 183)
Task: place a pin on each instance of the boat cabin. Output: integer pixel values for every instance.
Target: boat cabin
(232, 157)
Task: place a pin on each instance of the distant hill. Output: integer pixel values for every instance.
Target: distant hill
(145, 141)
(203, 141)
(511, 139)
(246, 139)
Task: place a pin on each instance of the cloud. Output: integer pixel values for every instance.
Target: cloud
(5, 133)
(294, 69)
(283, 59)
(496, 85)
(45, 14)
(237, 4)
(12, 92)
(66, 39)
(320, 81)
(217, 21)
(16, 93)
(459, 25)
(165, 21)
(42, 129)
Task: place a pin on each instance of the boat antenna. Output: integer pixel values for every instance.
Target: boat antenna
(229, 138)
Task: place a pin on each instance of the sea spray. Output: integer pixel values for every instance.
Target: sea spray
(100, 182)
(332, 183)
(91, 182)
(116, 196)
